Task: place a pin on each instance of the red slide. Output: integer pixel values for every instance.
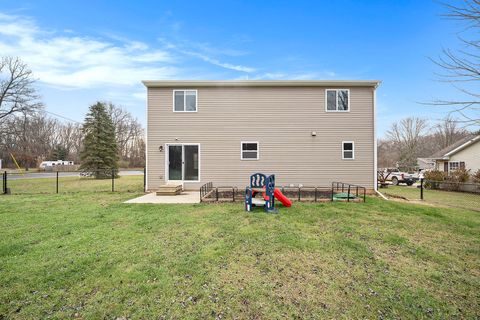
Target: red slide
(281, 197)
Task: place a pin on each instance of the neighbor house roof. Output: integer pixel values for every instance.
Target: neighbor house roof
(456, 147)
(260, 83)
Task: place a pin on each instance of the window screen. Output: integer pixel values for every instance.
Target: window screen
(249, 151)
(348, 150)
(331, 100)
(185, 100)
(338, 100)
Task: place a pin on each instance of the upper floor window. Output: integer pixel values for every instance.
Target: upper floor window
(337, 100)
(348, 150)
(184, 100)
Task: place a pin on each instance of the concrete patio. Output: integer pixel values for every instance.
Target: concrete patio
(184, 197)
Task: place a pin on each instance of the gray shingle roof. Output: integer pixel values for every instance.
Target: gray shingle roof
(444, 151)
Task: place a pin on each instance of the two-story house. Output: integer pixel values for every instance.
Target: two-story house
(305, 132)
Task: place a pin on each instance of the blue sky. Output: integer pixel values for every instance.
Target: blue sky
(83, 51)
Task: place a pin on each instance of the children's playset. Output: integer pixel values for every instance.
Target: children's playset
(262, 192)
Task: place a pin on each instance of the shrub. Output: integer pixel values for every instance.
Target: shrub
(456, 178)
(476, 176)
(123, 164)
(435, 175)
(459, 175)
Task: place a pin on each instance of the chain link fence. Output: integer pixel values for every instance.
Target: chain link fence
(101, 180)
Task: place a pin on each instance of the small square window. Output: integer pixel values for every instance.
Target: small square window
(249, 150)
(348, 150)
(337, 100)
(184, 100)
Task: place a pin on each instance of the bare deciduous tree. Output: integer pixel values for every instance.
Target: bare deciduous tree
(17, 92)
(448, 132)
(130, 135)
(462, 67)
(406, 136)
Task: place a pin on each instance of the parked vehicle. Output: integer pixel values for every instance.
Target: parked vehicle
(396, 177)
(46, 164)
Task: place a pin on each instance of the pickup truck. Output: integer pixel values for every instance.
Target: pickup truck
(396, 177)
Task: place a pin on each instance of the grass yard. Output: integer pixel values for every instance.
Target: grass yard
(438, 197)
(89, 256)
(75, 184)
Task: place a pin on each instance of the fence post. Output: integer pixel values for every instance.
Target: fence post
(332, 193)
(144, 179)
(113, 180)
(421, 189)
(57, 183)
(348, 194)
(5, 183)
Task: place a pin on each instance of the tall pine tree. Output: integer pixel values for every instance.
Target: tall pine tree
(99, 154)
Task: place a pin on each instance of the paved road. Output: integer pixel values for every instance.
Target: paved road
(40, 175)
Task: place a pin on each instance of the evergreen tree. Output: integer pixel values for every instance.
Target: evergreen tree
(59, 153)
(99, 154)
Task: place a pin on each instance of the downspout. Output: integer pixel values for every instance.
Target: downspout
(375, 177)
(381, 195)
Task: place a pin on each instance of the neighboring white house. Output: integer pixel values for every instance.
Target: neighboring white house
(47, 164)
(463, 154)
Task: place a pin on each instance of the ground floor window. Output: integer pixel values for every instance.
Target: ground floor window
(249, 150)
(453, 165)
(348, 150)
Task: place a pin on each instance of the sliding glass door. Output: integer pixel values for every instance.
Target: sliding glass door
(183, 162)
(175, 163)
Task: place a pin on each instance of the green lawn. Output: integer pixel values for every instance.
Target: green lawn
(75, 184)
(89, 256)
(437, 197)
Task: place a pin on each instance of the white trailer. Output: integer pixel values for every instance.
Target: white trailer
(48, 164)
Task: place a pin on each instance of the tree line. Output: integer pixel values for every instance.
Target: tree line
(31, 135)
(412, 138)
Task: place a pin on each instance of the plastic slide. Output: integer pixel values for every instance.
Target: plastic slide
(281, 197)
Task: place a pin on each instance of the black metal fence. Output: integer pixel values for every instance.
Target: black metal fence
(338, 191)
(440, 193)
(100, 180)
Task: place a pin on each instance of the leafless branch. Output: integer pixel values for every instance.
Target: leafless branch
(17, 92)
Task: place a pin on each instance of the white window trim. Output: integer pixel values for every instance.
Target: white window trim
(336, 90)
(167, 178)
(185, 99)
(458, 165)
(353, 150)
(241, 151)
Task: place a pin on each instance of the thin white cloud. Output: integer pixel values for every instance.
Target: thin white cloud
(219, 63)
(204, 52)
(69, 61)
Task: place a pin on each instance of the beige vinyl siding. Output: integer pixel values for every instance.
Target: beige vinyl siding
(281, 119)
